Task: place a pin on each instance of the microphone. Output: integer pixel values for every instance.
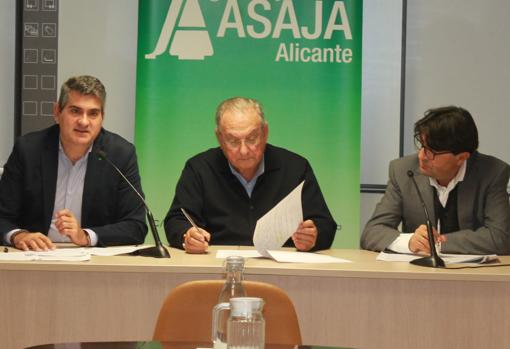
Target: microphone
(158, 251)
(433, 260)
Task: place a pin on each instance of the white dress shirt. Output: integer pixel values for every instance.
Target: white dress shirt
(401, 243)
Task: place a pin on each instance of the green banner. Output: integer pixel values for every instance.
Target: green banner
(301, 59)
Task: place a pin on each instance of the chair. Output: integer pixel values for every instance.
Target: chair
(186, 313)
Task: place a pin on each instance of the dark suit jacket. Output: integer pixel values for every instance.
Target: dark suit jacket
(217, 200)
(109, 206)
(482, 207)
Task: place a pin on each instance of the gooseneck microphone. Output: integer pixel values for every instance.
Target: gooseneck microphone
(158, 251)
(433, 260)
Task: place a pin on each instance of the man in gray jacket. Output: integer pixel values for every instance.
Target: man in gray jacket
(465, 193)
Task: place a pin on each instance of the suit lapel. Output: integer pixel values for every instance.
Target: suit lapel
(465, 193)
(93, 175)
(49, 172)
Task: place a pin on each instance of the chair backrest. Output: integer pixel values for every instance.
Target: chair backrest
(186, 314)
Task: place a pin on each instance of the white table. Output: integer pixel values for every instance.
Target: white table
(364, 304)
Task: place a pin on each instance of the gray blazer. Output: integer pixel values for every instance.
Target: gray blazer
(483, 207)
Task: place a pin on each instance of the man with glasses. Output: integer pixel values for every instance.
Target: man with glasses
(228, 188)
(465, 193)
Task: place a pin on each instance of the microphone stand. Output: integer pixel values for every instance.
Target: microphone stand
(433, 261)
(158, 251)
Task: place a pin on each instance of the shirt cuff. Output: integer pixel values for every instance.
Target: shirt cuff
(7, 237)
(92, 236)
(401, 244)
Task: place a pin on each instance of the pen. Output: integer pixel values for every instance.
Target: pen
(188, 217)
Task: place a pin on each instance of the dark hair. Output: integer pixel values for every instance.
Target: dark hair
(85, 85)
(448, 128)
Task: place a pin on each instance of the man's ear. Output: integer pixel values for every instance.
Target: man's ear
(217, 133)
(463, 156)
(265, 130)
(56, 112)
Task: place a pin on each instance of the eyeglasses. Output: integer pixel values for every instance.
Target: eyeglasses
(429, 153)
(251, 141)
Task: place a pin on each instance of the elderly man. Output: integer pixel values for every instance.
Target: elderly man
(227, 189)
(465, 193)
(55, 188)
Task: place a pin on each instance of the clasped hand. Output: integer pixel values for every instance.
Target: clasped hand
(419, 242)
(66, 224)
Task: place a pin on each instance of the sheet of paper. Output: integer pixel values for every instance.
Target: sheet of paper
(283, 256)
(68, 254)
(304, 257)
(59, 254)
(243, 253)
(448, 258)
(277, 225)
(468, 258)
(14, 256)
(396, 257)
(114, 250)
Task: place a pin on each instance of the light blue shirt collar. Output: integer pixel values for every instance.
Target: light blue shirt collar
(248, 185)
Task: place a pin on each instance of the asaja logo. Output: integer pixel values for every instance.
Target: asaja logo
(190, 40)
(276, 20)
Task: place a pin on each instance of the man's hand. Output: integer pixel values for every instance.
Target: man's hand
(67, 225)
(305, 236)
(32, 241)
(419, 242)
(196, 241)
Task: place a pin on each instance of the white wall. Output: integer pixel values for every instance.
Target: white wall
(368, 201)
(99, 38)
(458, 53)
(381, 81)
(7, 47)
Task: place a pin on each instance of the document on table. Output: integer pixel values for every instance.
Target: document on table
(78, 254)
(114, 250)
(304, 257)
(448, 258)
(283, 256)
(278, 225)
(59, 254)
(221, 254)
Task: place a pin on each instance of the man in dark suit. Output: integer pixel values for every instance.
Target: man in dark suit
(465, 193)
(226, 189)
(55, 188)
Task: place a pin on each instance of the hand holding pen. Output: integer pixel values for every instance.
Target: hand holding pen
(195, 240)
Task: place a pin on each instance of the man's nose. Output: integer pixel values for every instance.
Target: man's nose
(243, 149)
(83, 120)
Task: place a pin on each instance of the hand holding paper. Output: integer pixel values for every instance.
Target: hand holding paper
(278, 225)
(305, 236)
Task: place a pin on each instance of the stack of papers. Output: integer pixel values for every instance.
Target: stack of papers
(447, 258)
(80, 254)
(59, 254)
